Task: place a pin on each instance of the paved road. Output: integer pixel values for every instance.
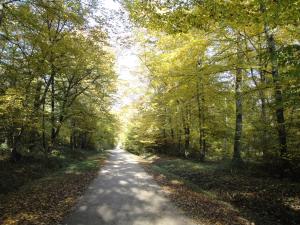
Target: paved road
(125, 194)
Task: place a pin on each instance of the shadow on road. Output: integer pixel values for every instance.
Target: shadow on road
(124, 193)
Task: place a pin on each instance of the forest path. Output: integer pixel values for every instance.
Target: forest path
(123, 193)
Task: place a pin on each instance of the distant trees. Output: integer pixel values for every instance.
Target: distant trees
(53, 68)
(241, 95)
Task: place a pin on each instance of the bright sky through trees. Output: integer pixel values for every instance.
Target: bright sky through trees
(127, 65)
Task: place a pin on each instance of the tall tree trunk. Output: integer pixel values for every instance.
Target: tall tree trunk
(262, 95)
(33, 132)
(179, 133)
(278, 93)
(84, 140)
(38, 89)
(43, 129)
(186, 128)
(239, 106)
(72, 136)
(225, 140)
(263, 114)
(53, 109)
(172, 133)
(201, 118)
(180, 126)
(171, 129)
(165, 134)
(187, 139)
(272, 52)
(15, 154)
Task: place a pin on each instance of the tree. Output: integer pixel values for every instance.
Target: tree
(244, 48)
(50, 57)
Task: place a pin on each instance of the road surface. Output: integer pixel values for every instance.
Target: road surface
(124, 194)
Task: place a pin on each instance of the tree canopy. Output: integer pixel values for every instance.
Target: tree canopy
(56, 77)
(223, 79)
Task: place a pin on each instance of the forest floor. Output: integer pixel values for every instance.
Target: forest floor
(213, 193)
(35, 193)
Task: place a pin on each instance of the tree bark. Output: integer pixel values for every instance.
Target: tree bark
(263, 111)
(186, 128)
(179, 129)
(263, 114)
(179, 140)
(278, 93)
(43, 129)
(72, 136)
(239, 106)
(201, 118)
(52, 112)
(272, 52)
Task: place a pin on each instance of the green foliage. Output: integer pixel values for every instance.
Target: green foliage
(195, 52)
(55, 69)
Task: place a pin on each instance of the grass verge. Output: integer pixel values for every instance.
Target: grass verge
(45, 201)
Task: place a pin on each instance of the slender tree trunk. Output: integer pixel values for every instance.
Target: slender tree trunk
(72, 136)
(203, 137)
(15, 154)
(165, 128)
(171, 129)
(201, 119)
(1, 15)
(186, 128)
(84, 141)
(179, 140)
(263, 114)
(43, 128)
(164, 134)
(187, 138)
(75, 140)
(71, 141)
(53, 130)
(238, 118)
(38, 90)
(181, 125)
(239, 107)
(272, 52)
(172, 134)
(225, 141)
(278, 93)
(34, 135)
(263, 100)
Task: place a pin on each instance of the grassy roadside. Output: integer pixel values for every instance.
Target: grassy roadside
(212, 193)
(45, 201)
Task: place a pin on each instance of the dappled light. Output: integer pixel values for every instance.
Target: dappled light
(125, 194)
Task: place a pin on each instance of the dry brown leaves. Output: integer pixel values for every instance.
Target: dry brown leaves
(45, 201)
(199, 206)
